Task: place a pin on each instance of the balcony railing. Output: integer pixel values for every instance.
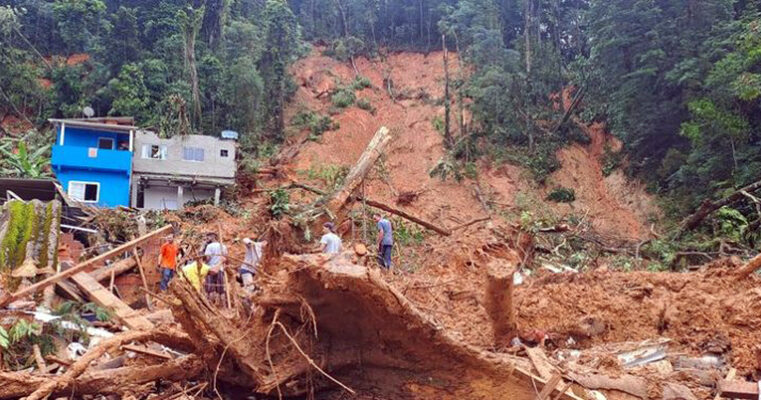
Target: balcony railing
(92, 158)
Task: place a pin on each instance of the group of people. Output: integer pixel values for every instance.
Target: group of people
(331, 243)
(207, 272)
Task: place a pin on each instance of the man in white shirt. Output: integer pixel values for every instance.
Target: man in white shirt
(330, 242)
(215, 253)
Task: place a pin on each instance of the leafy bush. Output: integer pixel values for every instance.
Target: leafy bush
(280, 203)
(332, 175)
(364, 104)
(610, 160)
(562, 195)
(361, 82)
(316, 123)
(343, 97)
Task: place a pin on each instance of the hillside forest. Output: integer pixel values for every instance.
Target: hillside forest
(677, 81)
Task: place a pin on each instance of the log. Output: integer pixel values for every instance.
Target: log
(82, 266)
(76, 369)
(357, 174)
(405, 215)
(633, 385)
(142, 277)
(750, 267)
(117, 268)
(117, 381)
(708, 206)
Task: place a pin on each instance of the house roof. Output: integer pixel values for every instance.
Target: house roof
(119, 124)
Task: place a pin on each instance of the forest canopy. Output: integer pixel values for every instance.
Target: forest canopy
(678, 81)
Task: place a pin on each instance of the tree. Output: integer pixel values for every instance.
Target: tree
(190, 23)
(130, 94)
(282, 42)
(82, 24)
(23, 163)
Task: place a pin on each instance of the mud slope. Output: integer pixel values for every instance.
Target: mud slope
(615, 206)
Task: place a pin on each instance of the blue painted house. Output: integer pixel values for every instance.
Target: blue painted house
(92, 159)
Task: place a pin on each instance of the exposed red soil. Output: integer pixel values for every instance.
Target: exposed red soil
(616, 206)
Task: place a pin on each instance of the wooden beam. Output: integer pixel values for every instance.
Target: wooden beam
(549, 387)
(98, 294)
(146, 351)
(405, 215)
(82, 266)
(750, 267)
(738, 389)
(142, 277)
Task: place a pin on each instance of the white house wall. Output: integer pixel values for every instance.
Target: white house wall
(165, 197)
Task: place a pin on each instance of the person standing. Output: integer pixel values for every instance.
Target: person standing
(250, 266)
(385, 240)
(330, 243)
(168, 261)
(215, 254)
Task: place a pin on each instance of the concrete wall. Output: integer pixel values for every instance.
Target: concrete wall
(213, 166)
(165, 197)
(114, 186)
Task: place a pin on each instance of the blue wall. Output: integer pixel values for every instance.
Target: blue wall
(112, 169)
(114, 186)
(79, 137)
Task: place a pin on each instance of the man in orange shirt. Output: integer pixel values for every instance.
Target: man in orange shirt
(168, 261)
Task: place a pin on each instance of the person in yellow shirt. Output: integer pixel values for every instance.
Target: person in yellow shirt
(196, 274)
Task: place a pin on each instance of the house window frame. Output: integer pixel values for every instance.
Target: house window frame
(113, 143)
(203, 154)
(162, 152)
(224, 153)
(97, 191)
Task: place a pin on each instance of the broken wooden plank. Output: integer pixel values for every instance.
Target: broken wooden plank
(738, 389)
(146, 351)
(358, 172)
(142, 277)
(730, 376)
(750, 267)
(405, 215)
(542, 364)
(102, 297)
(82, 266)
(633, 385)
(549, 387)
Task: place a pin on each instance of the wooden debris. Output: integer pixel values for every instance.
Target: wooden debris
(708, 206)
(38, 358)
(499, 302)
(540, 361)
(82, 266)
(738, 389)
(405, 215)
(115, 269)
(146, 351)
(142, 277)
(104, 298)
(730, 376)
(549, 387)
(630, 384)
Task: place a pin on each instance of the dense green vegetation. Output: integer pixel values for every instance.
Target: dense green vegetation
(679, 81)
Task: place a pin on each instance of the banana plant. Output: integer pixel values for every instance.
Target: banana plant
(24, 163)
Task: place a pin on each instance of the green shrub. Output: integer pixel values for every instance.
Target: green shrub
(343, 97)
(610, 160)
(361, 82)
(364, 104)
(332, 175)
(562, 195)
(280, 203)
(316, 123)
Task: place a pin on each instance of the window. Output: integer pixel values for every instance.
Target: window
(192, 154)
(223, 153)
(105, 143)
(154, 151)
(88, 192)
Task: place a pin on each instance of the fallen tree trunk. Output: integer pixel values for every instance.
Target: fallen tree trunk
(405, 215)
(708, 206)
(326, 323)
(117, 381)
(357, 174)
